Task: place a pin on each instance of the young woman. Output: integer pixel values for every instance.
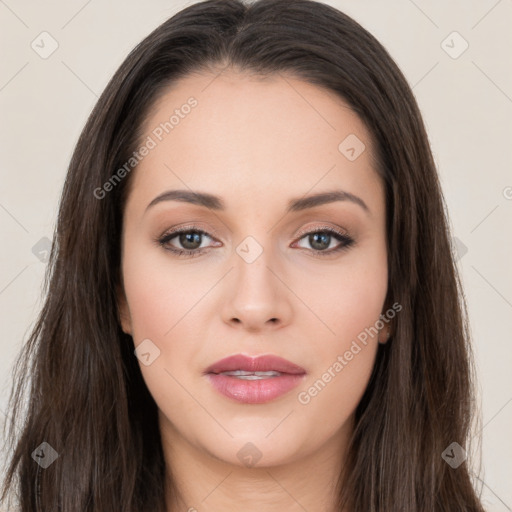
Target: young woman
(252, 301)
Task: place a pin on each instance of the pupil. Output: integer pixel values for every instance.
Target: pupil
(188, 240)
(320, 240)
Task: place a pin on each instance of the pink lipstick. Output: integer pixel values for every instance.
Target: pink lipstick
(254, 380)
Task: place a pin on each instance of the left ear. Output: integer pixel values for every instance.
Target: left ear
(386, 332)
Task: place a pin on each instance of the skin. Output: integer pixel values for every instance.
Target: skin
(257, 143)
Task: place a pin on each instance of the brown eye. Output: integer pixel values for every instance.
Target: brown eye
(190, 240)
(184, 241)
(321, 241)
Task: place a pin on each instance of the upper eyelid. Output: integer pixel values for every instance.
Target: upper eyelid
(317, 229)
(185, 229)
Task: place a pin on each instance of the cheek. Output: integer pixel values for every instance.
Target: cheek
(166, 304)
(159, 292)
(347, 297)
(331, 396)
(350, 301)
(161, 299)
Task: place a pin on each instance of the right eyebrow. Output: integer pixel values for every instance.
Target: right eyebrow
(199, 198)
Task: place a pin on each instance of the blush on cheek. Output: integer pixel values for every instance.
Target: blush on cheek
(153, 296)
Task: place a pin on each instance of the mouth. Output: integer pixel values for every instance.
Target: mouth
(254, 380)
(244, 375)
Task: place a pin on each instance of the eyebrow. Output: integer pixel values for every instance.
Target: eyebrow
(294, 205)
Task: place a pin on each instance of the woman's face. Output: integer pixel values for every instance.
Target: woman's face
(269, 277)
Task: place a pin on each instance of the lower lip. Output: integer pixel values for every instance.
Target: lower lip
(256, 391)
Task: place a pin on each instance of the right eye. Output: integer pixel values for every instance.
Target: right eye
(189, 238)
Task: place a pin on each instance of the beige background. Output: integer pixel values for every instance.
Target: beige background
(466, 103)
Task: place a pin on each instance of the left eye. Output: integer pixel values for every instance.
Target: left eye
(321, 240)
(190, 241)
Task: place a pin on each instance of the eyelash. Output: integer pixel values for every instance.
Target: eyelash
(340, 236)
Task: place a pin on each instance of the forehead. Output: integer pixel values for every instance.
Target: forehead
(250, 134)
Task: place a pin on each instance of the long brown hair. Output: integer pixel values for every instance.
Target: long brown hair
(86, 396)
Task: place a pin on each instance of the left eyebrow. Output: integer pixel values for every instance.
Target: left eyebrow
(304, 203)
(294, 205)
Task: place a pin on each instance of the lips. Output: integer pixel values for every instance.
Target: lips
(268, 363)
(254, 380)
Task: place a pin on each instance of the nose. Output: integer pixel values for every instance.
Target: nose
(258, 300)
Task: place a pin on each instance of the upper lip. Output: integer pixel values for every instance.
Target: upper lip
(255, 364)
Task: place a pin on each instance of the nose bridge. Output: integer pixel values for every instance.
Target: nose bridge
(258, 297)
(254, 279)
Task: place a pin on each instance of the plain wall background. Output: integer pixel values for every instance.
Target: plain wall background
(466, 103)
